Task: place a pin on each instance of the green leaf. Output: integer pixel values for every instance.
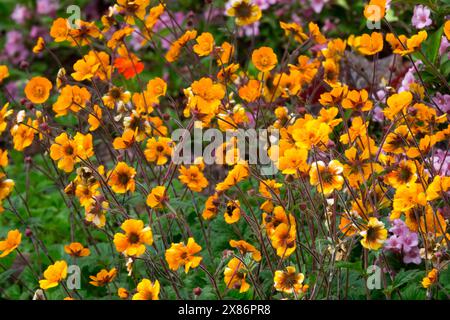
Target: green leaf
(432, 44)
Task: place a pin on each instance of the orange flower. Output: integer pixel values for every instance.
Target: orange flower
(375, 10)
(159, 150)
(175, 49)
(146, 290)
(132, 9)
(3, 158)
(4, 73)
(103, 277)
(54, 275)
(289, 281)
(357, 100)
(367, 44)
(60, 30)
(76, 249)
(431, 278)
(403, 45)
(245, 11)
(374, 234)
(64, 150)
(264, 59)
(6, 187)
(193, 178)
(133, 242)
(235, 275)
(326, 178)
(211, 208)
(71, 98)
(447, 29)
(157, 197)
(205, 44)
(123, 293)
(128, 64)
(4, 113)
(121, 179)
(39, 46)
(38, 89)
(397, 103)
(295, 29)
(226, 52)
(233, 212)
(23, 135)
(125, 141)
(250, 91)
(85, 68)
(244, 247)
(11, 242)
(95, 118)
(283, 239)
(180, 254)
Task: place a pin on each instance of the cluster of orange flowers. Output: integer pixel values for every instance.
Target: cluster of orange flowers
(336, 174)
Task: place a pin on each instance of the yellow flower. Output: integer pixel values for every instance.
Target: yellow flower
(244, 247)
(264, 59)
(103, 277)
(64, 150)
(4, 113)
(193, 178)
(375, 10)
(326, 178)
(133, 242)
(121, 179)
(4, 72)
(403, 173)
(59, 30)
(3, 158)
(175, 49)
(447, 29)
(123, 293)
(233, 212)
(403, 45)
(115, 96)
(295, 29)
(245, 12)
(11, 242)
(235, 175)
(397, 103)
(6, 186)
(158, 150)
(95, 118)
(132, 9)
(357, 100)
(146, 290)
(269, 187)
(54, 274)
(211, 207)
(95, 211)
(431, 278)
(125, 141)
(71, 98)
(374, 234)
(204, 45)
(85, 68)
(180, 254)
(76, 249)
(250, 91)
(310, 132)
(235, 275)
(23, 135)
(367, 44)
(283, 239)
(38, 89)
(157, 197)
(408, 196)
(40, 45)
(293, 161)
(289, 281)
(226, 52)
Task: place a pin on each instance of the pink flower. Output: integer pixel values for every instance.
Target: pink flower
(47, 7)
(421, 17)
(20, 14)
(317, 5)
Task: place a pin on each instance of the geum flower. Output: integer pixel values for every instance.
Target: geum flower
(76, 249)
(235, 275)
(193, 178)
(12, 241)
(326, 178)
(38, 89)
(103, 277)
(133, 242)
(121, 178)
(179, 255)
(289, 281)
(146, 290)
(54, 274)
(374, 234)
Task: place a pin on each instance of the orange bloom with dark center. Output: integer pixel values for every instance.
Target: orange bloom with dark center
(103, 277)
(180, 254)
(76, 249)
(133, 242)
(121, 178)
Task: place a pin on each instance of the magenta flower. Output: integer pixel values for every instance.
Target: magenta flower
(421, 17)
(21, 14)
(47, 7)
(317, 5)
